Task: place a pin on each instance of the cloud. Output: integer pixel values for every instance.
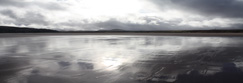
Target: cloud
(46, 4)
(28, 18)
(115, 23)
(219, 14)
(215, 8)
(16, 3)
(32, 18)
(123, 14)
(9, 13)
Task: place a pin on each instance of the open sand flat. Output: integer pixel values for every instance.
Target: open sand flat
(119, 57)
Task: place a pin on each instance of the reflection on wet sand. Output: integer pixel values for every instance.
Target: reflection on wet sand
(228, 74)
(122, 59)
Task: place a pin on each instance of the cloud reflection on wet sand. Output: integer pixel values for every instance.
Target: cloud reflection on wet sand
(103, 59)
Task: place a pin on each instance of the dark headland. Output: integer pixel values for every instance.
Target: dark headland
(9, 30)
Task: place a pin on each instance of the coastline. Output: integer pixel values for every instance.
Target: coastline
(123, 33)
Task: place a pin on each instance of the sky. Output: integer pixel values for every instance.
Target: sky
(123, 14)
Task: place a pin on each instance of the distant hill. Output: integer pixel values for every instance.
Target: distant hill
(8, 29)
(113, 30)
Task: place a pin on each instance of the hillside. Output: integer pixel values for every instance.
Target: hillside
(8, 29)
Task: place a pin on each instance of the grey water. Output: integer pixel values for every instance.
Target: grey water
(114, 58)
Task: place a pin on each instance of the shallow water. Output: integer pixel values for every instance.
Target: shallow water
(113, 58)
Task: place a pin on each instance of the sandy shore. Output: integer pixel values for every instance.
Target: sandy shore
(146, 34)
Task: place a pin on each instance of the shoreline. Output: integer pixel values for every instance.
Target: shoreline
(125, 33)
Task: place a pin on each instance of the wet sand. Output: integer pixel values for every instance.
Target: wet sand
(120, 58)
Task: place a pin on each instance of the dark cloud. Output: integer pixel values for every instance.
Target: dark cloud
(32, 18)
(16, 3)
(22, 4)
(238, 26)
(9, 13)
(116, 24)
(51, 6)
(218, 8)
(28, 19)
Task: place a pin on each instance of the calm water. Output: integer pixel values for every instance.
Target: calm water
(115, 59)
